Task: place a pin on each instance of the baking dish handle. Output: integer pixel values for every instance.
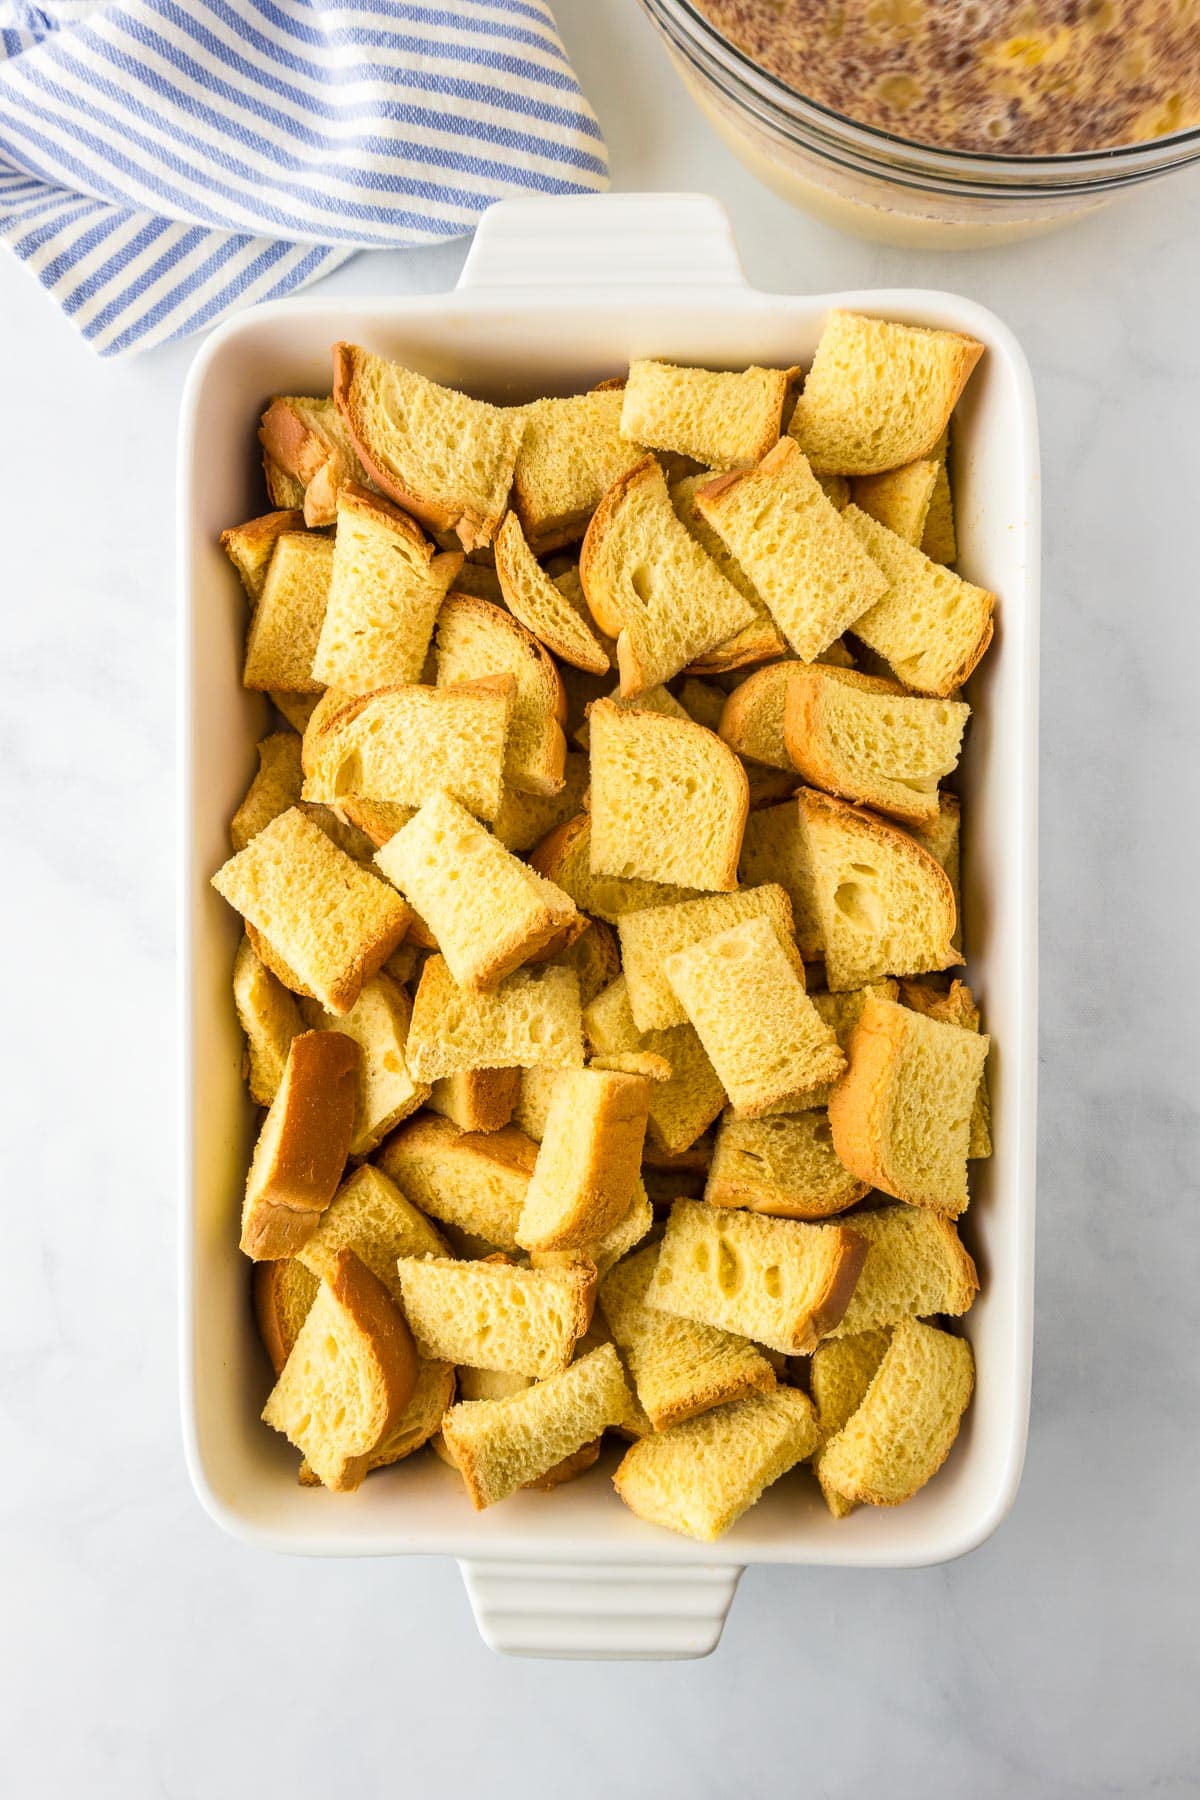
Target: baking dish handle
(605, 241)
(599, 1611)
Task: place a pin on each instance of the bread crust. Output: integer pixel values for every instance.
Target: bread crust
(246, 546)
(291, 1184)
(592, 656)
(374, 1313)
(607, 617)
(804, 740)
(266, 1281)
(830, 1305)
(548, 777)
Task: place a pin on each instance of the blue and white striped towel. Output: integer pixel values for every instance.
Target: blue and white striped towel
(163, 162)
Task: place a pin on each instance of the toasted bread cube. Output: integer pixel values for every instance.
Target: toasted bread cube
(698, 1478)
(868, 741)
(444, 457)
(502, 1445)
(649, 937)
(775, 849)
(605, 1252)
(751, 719)
(477, 1099)
(777, 1281)
(649, 584)
(275, 788)
(669, 800)
(332, 923)
(900, 499)
(841, 1013)
(879, 394)
(761, 639)
(250, 547)
(916, 1265)
(369, 1215)
(722, 419)
(784, 1166)
(387, 584)
(475, 1181)
(523, 820)
(283, 490)
(905, 1427)
(302, 1147)
(270, 1018)
(286, 625)
(475, 640)
(351, 1373)
(306, 437)
(565, 858)
(595, 957)
(494, 1315)
(532, 1017)
(543, 606)
(405, 743)
(386, 1092)
(901, 1114)
(678, 1110)
(679, 1368)
(884, 904)
(762, 1033)
(813, 573)
(443, 861)
(941, 837)
(571, 453)
(589, 1162)
(416, 1425)
(939, 541)
(840, 1372)
(957, 1007)
(283, 1294)
(930, 625)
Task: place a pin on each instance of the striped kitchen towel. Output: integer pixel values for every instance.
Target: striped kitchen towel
(163, 162)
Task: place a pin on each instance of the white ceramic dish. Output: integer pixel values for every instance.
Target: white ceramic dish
(554, 296)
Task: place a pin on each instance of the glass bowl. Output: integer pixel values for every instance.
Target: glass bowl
(881, 186)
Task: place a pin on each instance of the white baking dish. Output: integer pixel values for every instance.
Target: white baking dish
(555, 295)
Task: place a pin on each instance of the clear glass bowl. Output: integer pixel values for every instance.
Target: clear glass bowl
(869, 182)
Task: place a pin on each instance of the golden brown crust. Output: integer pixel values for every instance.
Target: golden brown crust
(828, 1309)
(270, 958)
(374, 1313)
(485, 1098)
(805, 741)
(568, 1469)
(312, 1122)
(508, 552)
(246, 546)
(270, 1314)
(607, 618)
(438, 516)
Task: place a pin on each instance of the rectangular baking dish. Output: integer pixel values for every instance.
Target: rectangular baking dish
(556, 295)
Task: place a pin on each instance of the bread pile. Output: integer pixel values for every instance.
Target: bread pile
(600, 888)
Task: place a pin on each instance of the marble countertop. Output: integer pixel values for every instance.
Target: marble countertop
(143, 1653)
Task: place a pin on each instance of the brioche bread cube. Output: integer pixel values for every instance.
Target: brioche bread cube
(332, 922)
(473, 1180)
(523, 820)
(678, 1367)
(751, 719)
(270, 1018)
(939, 540)
(916, 1264)
(605, 1252)
(668, 802)
(595, 957)
(758, 641)
(444, 457)
(814, 575)
(841, 1013)
(885, 905)
(283, 490)
(565, 858)
(776, 850)
(275, 788)
(476, 639)
(416, 1425)
(351, 1373)
(899, 499)
(534, 1090)
(763, 1035)
(283, 1293)
(250, 547)
(720, 418)
(656, 700)
(444, 862)
(543, 606)
(941, 837)
(302, 1147)
(379, 1023)
(502, 1445)
(297, 709)
(649, 937)
(497, 1384)
(698, 1478)
(532, 1017)
(387, 585)
(306, 437)
(589, 1161)
(370, 1216)
(702, 701)
(776, 1281)
(495, 1315)
(868, 741)
(286, 625)
(879, 394)
(930, 625)
(957, 1007)
(571, 453)
(477, 1099)
(840, 1372)
(784, 1165)
(405, 743)
(678, 1110)
(905, 1427)
(901, 1114)
(649, 584)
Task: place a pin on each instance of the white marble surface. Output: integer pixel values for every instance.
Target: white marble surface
(143, 1654)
